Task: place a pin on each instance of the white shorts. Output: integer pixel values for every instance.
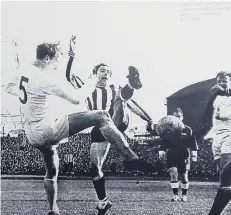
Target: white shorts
(221, 143)
(43, 133)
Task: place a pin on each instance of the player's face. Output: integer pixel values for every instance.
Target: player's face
(178, 115)
(104, 74)
(224, 82)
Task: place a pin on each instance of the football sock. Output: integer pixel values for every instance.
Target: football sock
(221, 200)
(99, 186)
(175, 186)
(51, 191)
(184, 186)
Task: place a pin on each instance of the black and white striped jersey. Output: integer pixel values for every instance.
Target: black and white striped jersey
(102, 98)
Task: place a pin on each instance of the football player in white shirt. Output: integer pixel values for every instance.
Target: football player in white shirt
(220, 134)
(33, 85)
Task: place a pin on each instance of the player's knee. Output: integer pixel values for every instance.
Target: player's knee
(173, 174)
(185, 180)
(51, 160)
(185, 177)
(104, 115)
(50, 179)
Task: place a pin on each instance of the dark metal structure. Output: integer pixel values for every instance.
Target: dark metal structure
(193, 100)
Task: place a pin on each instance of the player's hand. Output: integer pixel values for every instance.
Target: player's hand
(72, 46)
(194, 156)
(161, 155)
(216, 89)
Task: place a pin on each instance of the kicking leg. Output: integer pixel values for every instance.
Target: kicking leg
(120, 116)
(98, 153)
(51, 161)
(102, 120)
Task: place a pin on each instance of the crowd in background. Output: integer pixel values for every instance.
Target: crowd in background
(19, 157)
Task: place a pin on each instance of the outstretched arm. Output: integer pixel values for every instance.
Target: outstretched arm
(136, 109)
(71, 54)
(74, 80)
(64, 90)
(68, 69)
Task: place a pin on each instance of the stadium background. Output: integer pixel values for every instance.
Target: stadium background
(191, 44)
(19, 157)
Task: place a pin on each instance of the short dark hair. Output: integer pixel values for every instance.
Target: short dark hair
(178, 109)
(223, 74)
(96, 68)
(45, 49)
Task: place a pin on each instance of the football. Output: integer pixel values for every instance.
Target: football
(170, 128)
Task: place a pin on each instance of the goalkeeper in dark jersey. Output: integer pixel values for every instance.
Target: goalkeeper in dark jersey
(178, 157)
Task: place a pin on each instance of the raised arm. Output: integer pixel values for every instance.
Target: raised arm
(71, 54)
(136, 109)
(73, 79)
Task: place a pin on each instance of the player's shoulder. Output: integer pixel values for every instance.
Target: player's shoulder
(28, 71)
(39, 78)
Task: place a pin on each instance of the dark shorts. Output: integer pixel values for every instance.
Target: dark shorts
(179, 159)
(96, 135)
(68, 167)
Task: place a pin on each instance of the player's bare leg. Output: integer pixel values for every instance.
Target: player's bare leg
(184, 186)
(51, 161)
(120, 116)
(217, 162)
(174, 183)
(98, 154)
(102, 120)
(223, 196)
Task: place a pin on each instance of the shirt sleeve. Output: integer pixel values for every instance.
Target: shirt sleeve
(64, 90)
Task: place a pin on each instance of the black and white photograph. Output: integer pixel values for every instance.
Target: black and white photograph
(115, 107)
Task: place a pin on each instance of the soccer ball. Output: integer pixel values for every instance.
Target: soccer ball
(170, 128)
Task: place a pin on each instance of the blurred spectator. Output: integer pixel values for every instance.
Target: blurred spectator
(21, 158)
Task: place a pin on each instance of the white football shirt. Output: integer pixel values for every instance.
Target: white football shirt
(33, 86)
